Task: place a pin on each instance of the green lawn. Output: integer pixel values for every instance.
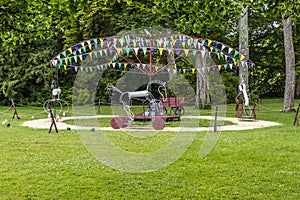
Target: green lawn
(105, 122)
(253, 164)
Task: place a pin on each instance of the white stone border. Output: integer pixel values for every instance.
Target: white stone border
(239, 124)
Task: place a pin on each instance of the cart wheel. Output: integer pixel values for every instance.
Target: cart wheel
(173, 110)
(116, 123)
(165, 111)
(179, 111)
(124, 122)
(158, 124)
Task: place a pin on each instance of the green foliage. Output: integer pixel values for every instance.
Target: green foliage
(82, 97)
(23, 19)
(25, 72)
(267, 52)
(230, 80)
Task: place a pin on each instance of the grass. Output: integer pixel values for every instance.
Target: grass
(252, 164)
(105, 122)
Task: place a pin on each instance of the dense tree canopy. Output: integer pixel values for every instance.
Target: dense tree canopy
(34, 31)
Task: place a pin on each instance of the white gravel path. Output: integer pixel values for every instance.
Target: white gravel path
(239, 125)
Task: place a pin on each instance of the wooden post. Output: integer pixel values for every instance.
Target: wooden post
(99, 106)
(254, 107)
(53, 120)
(215, 121)
(237, 107)
(296, 120)
(15, 110)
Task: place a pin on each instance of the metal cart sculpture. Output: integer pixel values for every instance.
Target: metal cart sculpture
(156, 111)
(175, 105)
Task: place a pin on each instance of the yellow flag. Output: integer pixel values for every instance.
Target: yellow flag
(234, 61)
(209, 42)
(65, 67)
(121, 41)
(186, 51)
(242, 57)
(219, 67)
(157, 41)
(160, 51)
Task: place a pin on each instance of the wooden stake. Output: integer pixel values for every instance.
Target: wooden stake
(53, 120)
(296, 120)
(15, 110)
(99, 107)
(216, 118)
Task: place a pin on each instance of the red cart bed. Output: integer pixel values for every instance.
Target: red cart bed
(175, 104)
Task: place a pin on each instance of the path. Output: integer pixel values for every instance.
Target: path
(239, 125)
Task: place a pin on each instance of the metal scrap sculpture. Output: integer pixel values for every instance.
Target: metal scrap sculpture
(154, 106)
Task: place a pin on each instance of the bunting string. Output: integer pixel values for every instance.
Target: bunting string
(113, 48)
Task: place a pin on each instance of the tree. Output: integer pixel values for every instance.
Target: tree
(267, 52)
(288, 11)
(25, 72)
(202, 86)
(244, 46)
(290, 65)
(297, 53)
(23, 21)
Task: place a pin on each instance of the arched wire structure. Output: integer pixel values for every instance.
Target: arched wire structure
(150, 52)
(58, 105)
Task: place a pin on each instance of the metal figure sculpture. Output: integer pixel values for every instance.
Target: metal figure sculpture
(59, 104)
(243, 99)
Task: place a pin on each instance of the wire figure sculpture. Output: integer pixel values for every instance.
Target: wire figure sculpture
(59, 104)
(244, 112)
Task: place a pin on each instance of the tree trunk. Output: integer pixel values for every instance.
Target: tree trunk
(298, 59)
(289, 91)
(297, 86)
(202, 93)
(244, 47)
